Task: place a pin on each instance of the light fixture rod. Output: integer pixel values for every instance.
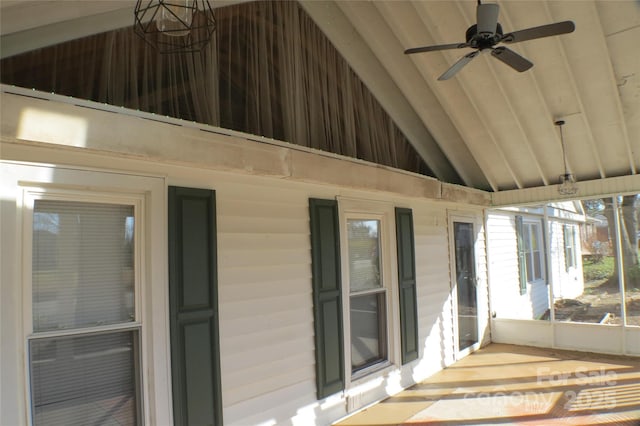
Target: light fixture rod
(560, 123)
(567, 180)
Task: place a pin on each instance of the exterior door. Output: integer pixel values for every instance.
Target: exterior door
(466, 286)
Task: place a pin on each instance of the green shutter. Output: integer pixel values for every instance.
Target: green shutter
(193, 306)
(522, 266)
(327, 296)
(407, 285)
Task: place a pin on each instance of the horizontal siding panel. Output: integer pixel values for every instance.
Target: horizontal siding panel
(278, 407)
(251, 258)
(248, 371)
(266, 323)
(256, 388)
(268, 354)
(280, 303)
(265, 274)
(249, 341)
(251, 208)
(263, 242)
(264, 190)
(257, 291)
(258, 225)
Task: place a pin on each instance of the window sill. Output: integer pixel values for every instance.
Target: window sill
(370, 373)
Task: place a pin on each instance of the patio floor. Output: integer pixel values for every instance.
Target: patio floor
(517, 385)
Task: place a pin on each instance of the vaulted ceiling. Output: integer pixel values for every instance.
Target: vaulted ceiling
(494, 125)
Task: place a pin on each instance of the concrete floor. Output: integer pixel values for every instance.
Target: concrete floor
(516, 385)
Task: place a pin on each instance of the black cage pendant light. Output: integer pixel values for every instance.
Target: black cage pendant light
(568, 184)
(175, 26)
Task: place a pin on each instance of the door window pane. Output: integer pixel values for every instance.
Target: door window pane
(83, 264)
(368, 330)
(85, 380)
(466, 284)
(364, 254)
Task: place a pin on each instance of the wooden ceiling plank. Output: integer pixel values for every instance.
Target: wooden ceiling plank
(582, 52)
(621, 35)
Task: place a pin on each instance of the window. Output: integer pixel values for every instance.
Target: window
(361, 324)
(84, 339)
(569, 234)
(530, 251)
(367, 294)
(368, 307)
(533, 251)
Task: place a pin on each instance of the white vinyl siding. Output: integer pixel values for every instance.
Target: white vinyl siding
(435, 317)
(266, 304)
(506, 300)
(264, 290)
(568, 283)
(264, 258)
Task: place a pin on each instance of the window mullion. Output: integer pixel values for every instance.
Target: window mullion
(85, 331)
(368, 291)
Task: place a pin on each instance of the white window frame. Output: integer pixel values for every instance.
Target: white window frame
(572, 262)
(371, 210)
(471, 218)
(18, 180)
(527, 227)
(31, 195)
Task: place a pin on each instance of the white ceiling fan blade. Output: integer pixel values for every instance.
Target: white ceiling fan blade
(487, 18)
(458, 65)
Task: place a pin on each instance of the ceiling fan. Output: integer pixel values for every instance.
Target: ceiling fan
(484, 35)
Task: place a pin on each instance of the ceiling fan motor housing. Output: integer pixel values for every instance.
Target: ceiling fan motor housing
(483, 41)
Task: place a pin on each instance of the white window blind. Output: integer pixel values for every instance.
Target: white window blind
(83, 277)
(83, 272)
(85, 380)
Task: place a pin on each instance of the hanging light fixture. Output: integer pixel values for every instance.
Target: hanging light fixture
(568, 184)
(175, 26)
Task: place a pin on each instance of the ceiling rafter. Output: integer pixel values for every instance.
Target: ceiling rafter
(552, 150)
(549, 119)
(587, 115)
(504, 19)
(618, 102)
